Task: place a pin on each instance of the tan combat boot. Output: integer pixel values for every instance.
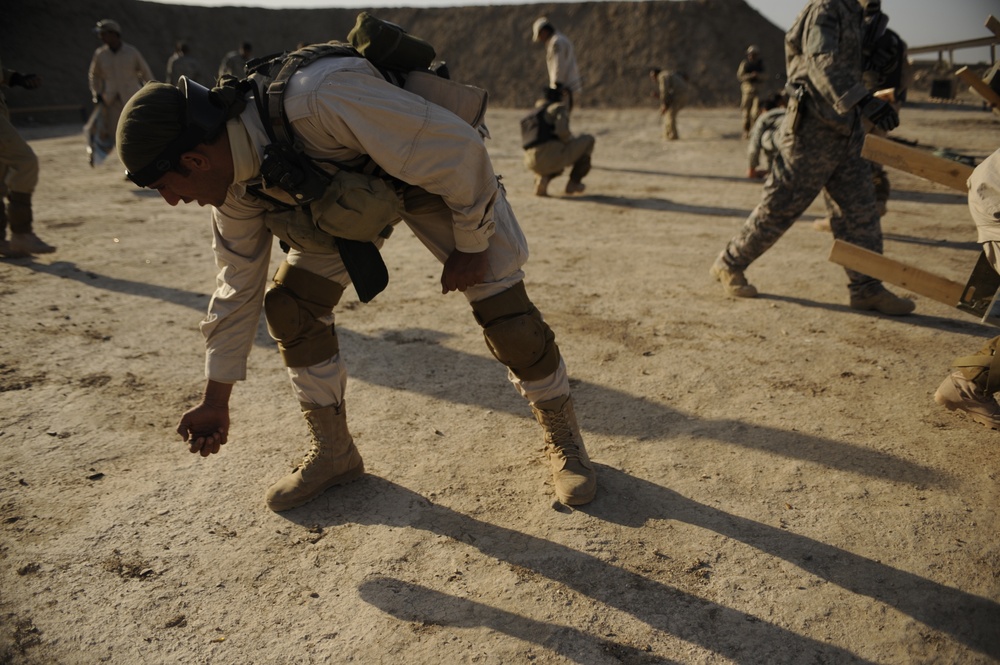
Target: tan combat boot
(572, 472)
(884, 301)
(957, 392)
(332, 460)
(733, 282)
(22, 240)
(542, 185)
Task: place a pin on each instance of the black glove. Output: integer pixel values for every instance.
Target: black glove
(24, 80)
(880, 113)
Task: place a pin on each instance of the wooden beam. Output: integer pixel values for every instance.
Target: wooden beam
(880, 267)
(993, 25)
(918, 162)
(954, 46)
(979, 85)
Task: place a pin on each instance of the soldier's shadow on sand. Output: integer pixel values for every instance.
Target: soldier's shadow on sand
(194, 300)
(633, 502)
(478, 380)
(473, 380)
(418, 604)
(683, 176)
(658, 204)
(967, 324)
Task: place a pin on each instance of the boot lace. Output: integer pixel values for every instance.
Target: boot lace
(559, 436)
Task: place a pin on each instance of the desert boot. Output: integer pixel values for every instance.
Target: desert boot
(572, 472)
(332, 460)
(957, 392)
(883, 301)
(733, 281)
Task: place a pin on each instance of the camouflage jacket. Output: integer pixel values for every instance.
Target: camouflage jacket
(823, 56)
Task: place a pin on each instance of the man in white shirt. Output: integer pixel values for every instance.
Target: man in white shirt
(117, 71)
(560, 59)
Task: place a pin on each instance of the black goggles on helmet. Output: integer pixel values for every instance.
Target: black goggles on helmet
(201, 119)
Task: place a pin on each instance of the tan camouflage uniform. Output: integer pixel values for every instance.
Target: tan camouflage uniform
(749, 75)
(551, 157)
(673, 92)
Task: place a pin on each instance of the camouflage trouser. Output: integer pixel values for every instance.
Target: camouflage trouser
(814, 157)
(882, 190)
(18, 172)
(749, 105)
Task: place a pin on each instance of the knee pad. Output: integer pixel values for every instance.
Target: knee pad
(293, 308)
(517, 335)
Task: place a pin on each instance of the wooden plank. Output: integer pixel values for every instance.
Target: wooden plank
(918, 162)
(888, 270)
(979, 85)
(993, 25)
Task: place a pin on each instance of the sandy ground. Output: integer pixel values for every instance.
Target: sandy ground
(776, 482)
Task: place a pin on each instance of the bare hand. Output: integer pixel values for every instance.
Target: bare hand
(463, 270)
(205, 428)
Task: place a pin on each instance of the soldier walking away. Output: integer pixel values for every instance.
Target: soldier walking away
(971, 388)
(550, 146)
(117, 71)
(214, 147)
(18, 179)
(820, 146)
(672, 91)
(182, 63)
(560, 59)
(234, 62)
(751, 75)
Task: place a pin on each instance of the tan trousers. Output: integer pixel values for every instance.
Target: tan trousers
(18, 167)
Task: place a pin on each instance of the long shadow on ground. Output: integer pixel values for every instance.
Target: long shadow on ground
(625, 500)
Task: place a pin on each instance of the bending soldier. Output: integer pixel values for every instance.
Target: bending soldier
(972, 386)
(342, 111)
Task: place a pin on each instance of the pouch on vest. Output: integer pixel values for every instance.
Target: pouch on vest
(466, 101)
(356, 206)
(388, 45)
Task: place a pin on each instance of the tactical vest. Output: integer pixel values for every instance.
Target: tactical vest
(320, 191)
(346, 206)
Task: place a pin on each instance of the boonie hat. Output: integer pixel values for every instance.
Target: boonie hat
(107, 25)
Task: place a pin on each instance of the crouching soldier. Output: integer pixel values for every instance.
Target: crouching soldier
(550, 147)
(346, 124)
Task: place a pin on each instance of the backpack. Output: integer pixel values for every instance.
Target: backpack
(355, 206)
(535, 129)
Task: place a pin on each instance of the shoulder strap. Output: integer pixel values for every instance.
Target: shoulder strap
(275, 120)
